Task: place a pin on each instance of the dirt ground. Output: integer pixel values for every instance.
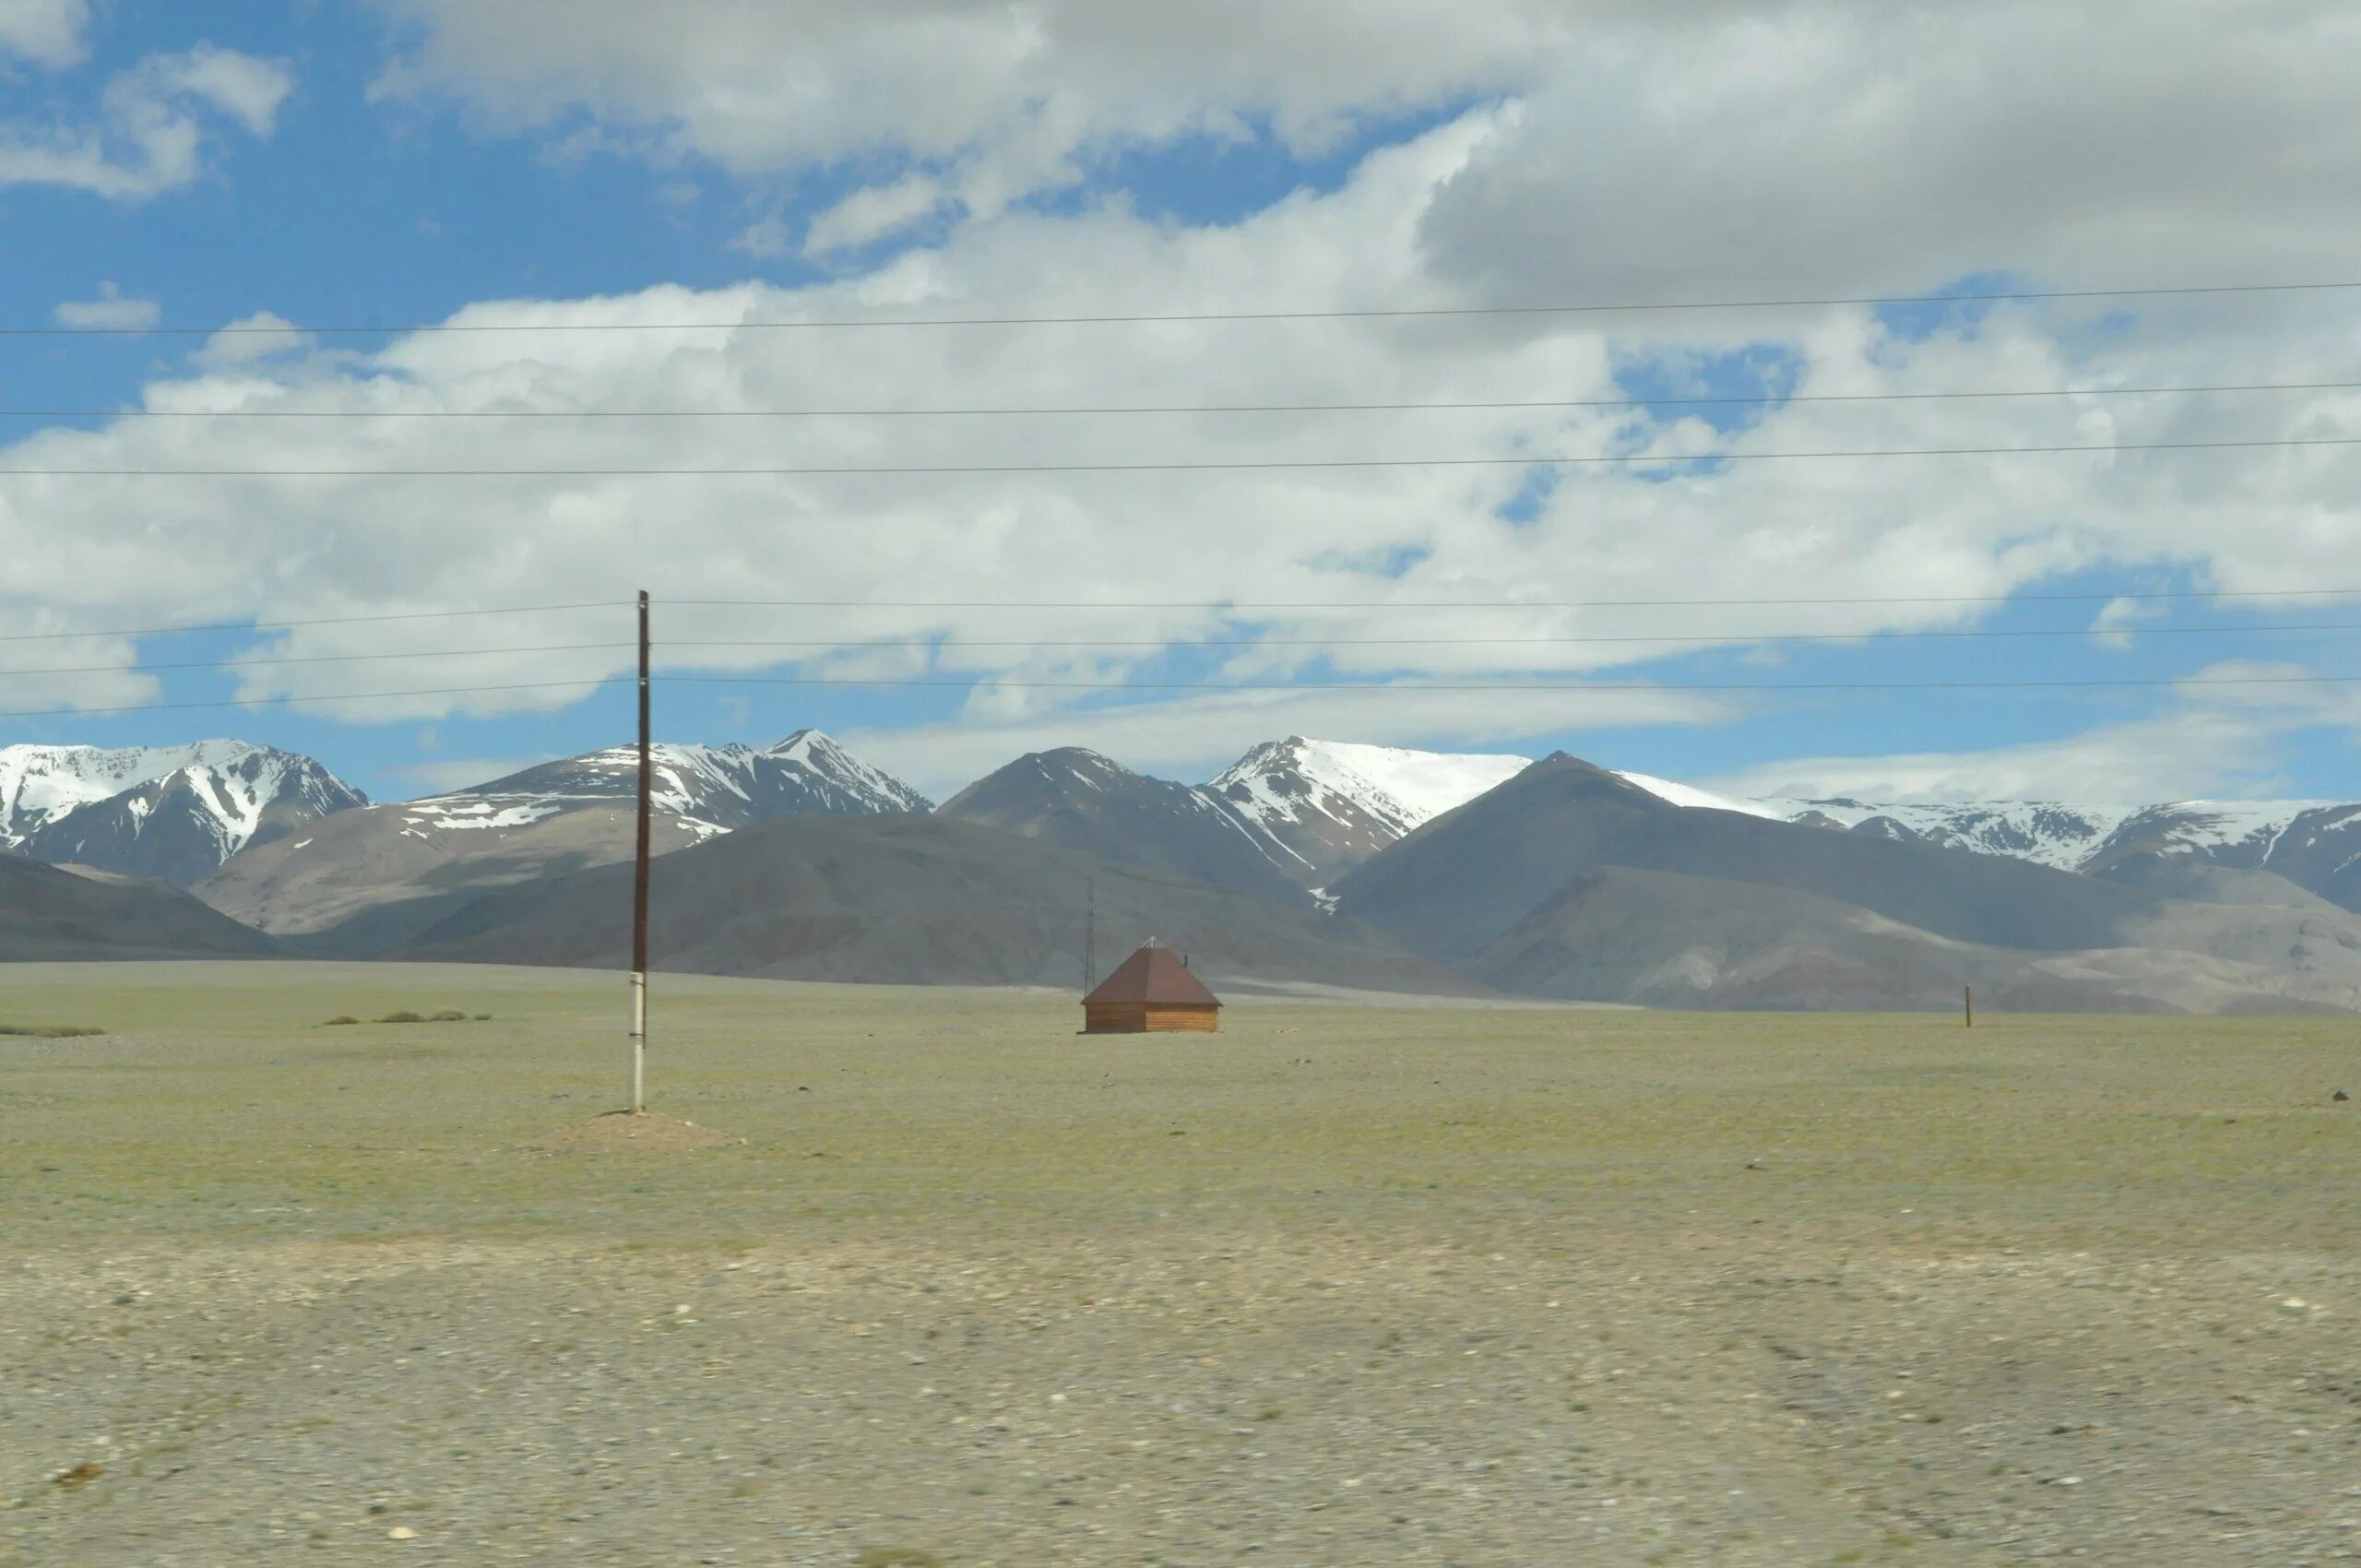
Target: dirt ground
(1338, 1286)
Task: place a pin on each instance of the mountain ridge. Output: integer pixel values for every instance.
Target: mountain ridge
(171, 813)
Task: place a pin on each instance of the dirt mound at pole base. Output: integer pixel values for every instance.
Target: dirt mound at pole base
(621, 1131)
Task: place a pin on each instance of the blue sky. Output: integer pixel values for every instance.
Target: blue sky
(356, 165)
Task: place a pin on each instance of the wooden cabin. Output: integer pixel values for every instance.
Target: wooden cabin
(1150, 992)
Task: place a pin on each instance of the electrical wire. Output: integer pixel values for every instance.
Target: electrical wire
(1333, 689)
(2148, 596)
(1575, 686)
(321, 621)
(1535, 461)
(317, 658)
(337, 696)
(1176, 644)
(1183, 642)
(1633, 401)
(1165, 317)
(1238, 608)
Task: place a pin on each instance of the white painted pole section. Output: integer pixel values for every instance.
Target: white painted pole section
(639, 1043)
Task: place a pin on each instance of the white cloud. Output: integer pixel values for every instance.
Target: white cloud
(1382, 541)
(263, 335)
(1006, 93)
(111, 310)
(2224, 740)
(1806, 149)
(873, 213)
(768, 238)
(443, 775)
(154, 126)
(47, 32)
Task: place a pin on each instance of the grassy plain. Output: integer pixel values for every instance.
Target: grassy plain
(1340, 1285)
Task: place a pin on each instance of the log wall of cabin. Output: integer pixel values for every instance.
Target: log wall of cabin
(1144, 1017)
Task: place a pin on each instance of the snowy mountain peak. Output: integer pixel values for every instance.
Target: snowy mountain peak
(1324, 806)
(1389, 784)
(718, 787)
(174, 812)
(829, 771)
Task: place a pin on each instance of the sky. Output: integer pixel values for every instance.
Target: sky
(574, 237)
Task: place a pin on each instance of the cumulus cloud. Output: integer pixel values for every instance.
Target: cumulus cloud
(766, 238)
(999, 96)
(873, 213)
(444, 775)
(47, 32)
(113, 311)
(263, 335)
(154, 127)
(1380, 547)
(1813, 148)
(2225, 739)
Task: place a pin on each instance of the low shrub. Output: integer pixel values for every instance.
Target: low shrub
(340, 1018)
(50, 1031)
(403, 1018)
(448, 1015)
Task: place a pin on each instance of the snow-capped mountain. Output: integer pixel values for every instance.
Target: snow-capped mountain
(546, 821)
(2314, 844)
(1284, 821)
(1082, 800)
(1324, 806)
(720, 787)
(173, 814)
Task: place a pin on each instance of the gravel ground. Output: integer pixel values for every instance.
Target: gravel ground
(1705, 1292)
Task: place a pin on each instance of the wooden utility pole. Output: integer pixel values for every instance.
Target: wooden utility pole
(640, 885)
(1089, 935)
(1967, 998)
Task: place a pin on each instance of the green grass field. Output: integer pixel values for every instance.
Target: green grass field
(1671, 1283)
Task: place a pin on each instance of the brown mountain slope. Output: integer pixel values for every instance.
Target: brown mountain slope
(909, 899)
(1666, 940)
(48, 915)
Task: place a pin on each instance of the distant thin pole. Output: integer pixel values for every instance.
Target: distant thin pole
(1968, 997)
(639, 884)
(1089, 934)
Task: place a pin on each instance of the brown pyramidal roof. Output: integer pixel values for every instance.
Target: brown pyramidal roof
(1153, 974)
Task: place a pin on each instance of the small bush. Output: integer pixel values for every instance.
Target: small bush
(50, 1031)
(340, 1018)
(483, 1017)
(403, 1018)
(448, 1015)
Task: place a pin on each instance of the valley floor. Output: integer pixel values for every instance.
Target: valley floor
(1338, 1286)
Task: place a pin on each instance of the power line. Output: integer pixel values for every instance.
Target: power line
(1340, 689)
(1234, 606)
(1577, 686)
(1633, 401)
(313, 658)
(322, 621)
(1239, 605)
(1180, 642)
(1535, 461)
(337, 697)
(1155, 318)
(1177, 643)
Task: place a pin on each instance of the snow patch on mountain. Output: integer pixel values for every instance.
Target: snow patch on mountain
(207, 801)
(40, 784)
(1298, 780)
(1423, 785)
(1689, 795)
(710, 788)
